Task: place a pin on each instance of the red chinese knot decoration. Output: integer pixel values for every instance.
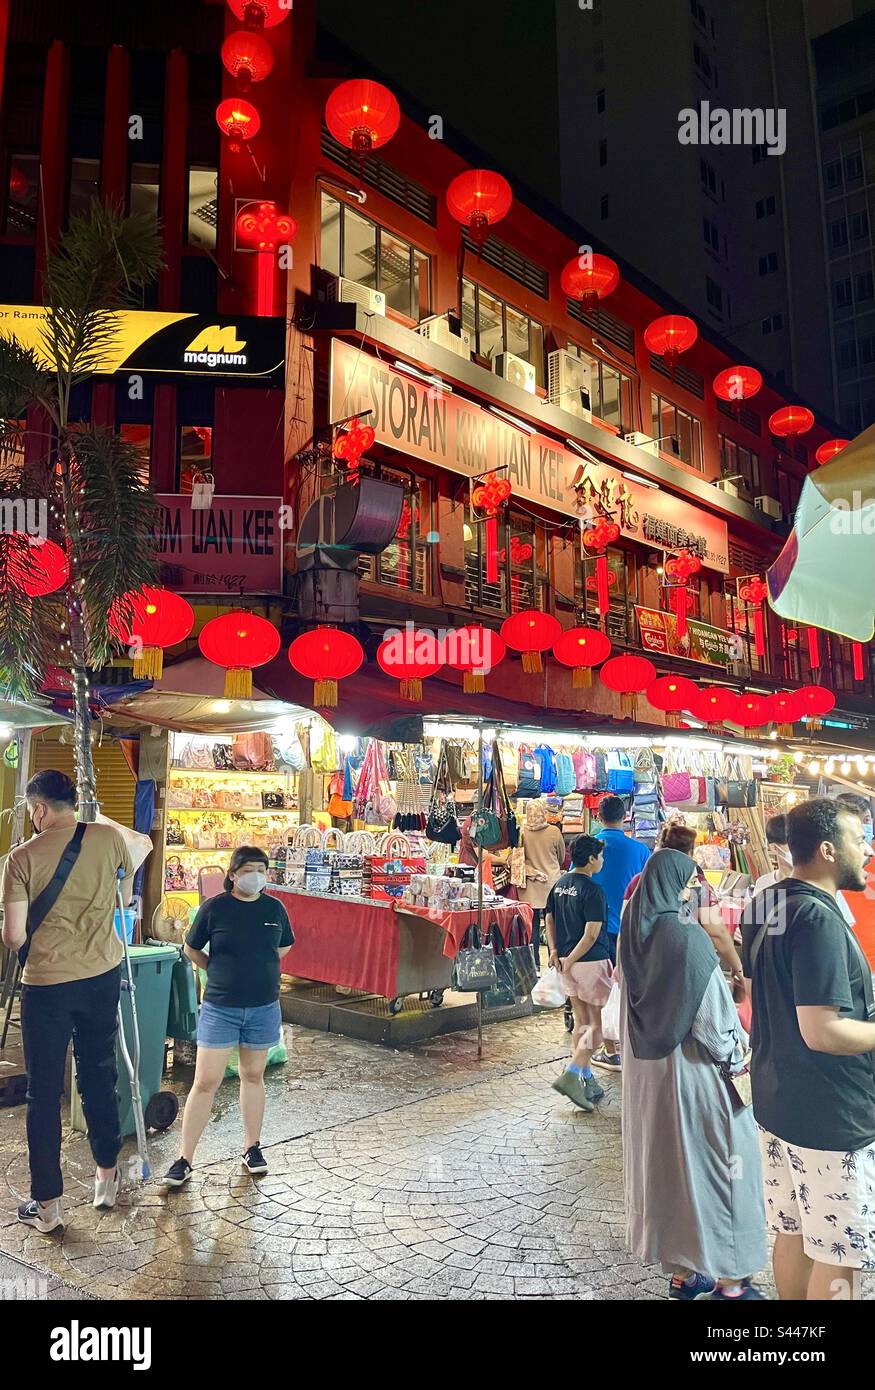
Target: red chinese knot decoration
(239, 641)
(597, 538)
(754, 592)
(489, 497)
(581, 648)
(261, 227)
(156, 618)
(680, 570)
(326, 655)
(351, 444)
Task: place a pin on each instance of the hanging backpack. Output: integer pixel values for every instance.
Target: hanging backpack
(565, 778)
(584, 770)
(547, 758)
(442, 823)
(529, 780)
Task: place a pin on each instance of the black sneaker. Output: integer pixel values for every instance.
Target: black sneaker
(45, 1217)
(254, 1161)
(178, 1173)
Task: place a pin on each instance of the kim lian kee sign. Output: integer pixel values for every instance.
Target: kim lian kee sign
(232, 547)
(456, 434)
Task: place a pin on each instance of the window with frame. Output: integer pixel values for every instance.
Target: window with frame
(735, 459)
(789, 488)
(406, 561)
(520, 580)
(713, 294)
(669, 419)
(139, 437)
(838, 233)
(859, 226)
(853, 167)
(833, 174)
(359, 249)
(841, 293)
(620, 622)
(496, 326)
(711, 234)
(195, 454)
(84, 185)
(773, 324)
(203, 207)
(611, 390)
(864, 286)
(765, 207)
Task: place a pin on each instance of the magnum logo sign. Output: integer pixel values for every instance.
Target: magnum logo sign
(456, 434)
(238, 349)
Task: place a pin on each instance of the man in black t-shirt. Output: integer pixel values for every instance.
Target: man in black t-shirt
(812, 1074)
(580, 949)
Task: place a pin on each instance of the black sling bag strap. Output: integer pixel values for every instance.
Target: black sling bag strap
(45, 901)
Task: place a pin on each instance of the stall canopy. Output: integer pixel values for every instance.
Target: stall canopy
(16, 714)
(824, 574)
(189, 698)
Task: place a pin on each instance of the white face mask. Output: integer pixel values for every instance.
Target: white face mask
(251, 883)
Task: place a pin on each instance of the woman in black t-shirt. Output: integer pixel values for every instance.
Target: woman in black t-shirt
(247, 933)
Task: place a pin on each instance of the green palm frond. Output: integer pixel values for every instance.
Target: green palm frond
(23, 382)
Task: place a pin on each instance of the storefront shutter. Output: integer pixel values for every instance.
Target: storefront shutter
(115, 782)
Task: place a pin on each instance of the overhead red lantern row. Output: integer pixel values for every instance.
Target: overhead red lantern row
(754, 593)
(238, 119)
(830, 450)
(816, 702)
(669, 336)
(248, 57)
(362, 115)
(36, 567)
(478, 199)
(791, 421)
(478, 651)
(628, 676)
(737, 384)
(156, 619)
(596, 539)
(262, 228)
(671, 694)
(326, 655)
(400, 658)
(239, 641)
(531, 632)
(260, 14)
(489, 497)
(752, 711)
(581, 648)
(785, 708)
(589, 278)
(714, 705)
(350, 444)
(679, 570)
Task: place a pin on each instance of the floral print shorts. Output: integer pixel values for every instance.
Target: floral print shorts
(824, 1196)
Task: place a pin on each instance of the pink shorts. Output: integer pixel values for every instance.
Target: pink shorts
(589, 981)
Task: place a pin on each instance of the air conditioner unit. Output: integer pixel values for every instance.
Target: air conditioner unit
(726, 486)
(643, 441)
(343, 291)
(515, 370)
(771, 506)
(569, 384)
(740, 669)
(447, 333)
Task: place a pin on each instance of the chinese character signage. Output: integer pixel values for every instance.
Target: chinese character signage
(702, 642)
(235, 546)
(456, 434)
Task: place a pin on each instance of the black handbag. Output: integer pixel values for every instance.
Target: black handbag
(474, 969)
(736, 791)
(504, 992)
(442, 824)
(522, 955)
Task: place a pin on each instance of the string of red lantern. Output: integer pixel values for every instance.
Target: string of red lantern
(477, 651)
(248, 57)
(581, 648)
(409, 657)
(597, 538)
(588, 278)
(828, 451)
(239, 120)
(239, 641)
(478, 199)
(671, 694)
(816, 701)
(737, 384)
(489, 497)
(260, 14)
(262, 228)
(362, 115)
(785, 708)
(714, 705)
(754, 593)
(669, 336)
(531, 632)
(156, 619)
(752, 711)
(628, 676)
(326, 655)
(36, 567)
(680, 570)
(791, 421)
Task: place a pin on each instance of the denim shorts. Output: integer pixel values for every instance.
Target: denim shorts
(221, 1026)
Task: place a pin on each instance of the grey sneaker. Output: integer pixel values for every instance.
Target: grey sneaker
(43, 1216)
(573, 1087)
(106, 1190)
(593, 1090)
(608, 1061)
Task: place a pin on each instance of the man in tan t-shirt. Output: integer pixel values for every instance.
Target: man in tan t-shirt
(70, 984)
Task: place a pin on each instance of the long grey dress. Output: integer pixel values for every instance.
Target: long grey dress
(691, 1167)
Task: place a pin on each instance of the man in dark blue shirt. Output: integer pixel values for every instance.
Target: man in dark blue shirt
(623, 859)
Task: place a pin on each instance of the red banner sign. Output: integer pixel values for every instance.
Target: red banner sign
(233, 546)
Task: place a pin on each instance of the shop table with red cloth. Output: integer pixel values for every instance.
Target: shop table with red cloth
(455, 924)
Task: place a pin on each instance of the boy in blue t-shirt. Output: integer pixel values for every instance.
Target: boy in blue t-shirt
(623, 859)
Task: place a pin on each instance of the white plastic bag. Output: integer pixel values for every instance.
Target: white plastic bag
(611, 1013)
(548, 992)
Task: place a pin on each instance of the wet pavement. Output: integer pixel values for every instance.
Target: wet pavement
(393, 1175)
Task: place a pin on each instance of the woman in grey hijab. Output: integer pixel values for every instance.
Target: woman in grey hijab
(691, 1164)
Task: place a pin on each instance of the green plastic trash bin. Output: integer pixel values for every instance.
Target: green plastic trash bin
(152, 970)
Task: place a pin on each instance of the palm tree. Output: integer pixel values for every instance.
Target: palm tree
(99, 508)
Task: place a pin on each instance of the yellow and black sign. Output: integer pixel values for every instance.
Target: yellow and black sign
(238, 349)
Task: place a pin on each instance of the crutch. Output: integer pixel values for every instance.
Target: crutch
(132, 1062)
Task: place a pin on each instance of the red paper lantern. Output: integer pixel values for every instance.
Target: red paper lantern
(627, 676)
(239, 641)
(478, 199)
(669, 336)
(531, 632)
(671, 694)
(816, 701)
(828, 451)
(737, 383)
(714, 704)
(753, 711)
(157, 618)
(409, 657)
(589, 278)
(326, 655)
(785, 708)
(248, 57)
(362, 115)
(238, 119)
(476, 651)
(581, 648)
(791, 421)
(261, 227)
(260, 14)
(36, 567)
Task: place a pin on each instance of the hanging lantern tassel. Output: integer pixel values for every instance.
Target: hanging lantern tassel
(532, 663)
(857, 651)
(411, 689)
(629, 704)
(238, 683)
(601, 579)
(492, 550)
(149, 664)
(813, 649)
(325, 694)
(473, 682)
(759, 631)
(581, 677)
(679, 604)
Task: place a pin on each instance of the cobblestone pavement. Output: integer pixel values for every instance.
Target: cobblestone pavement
(408, 1175)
